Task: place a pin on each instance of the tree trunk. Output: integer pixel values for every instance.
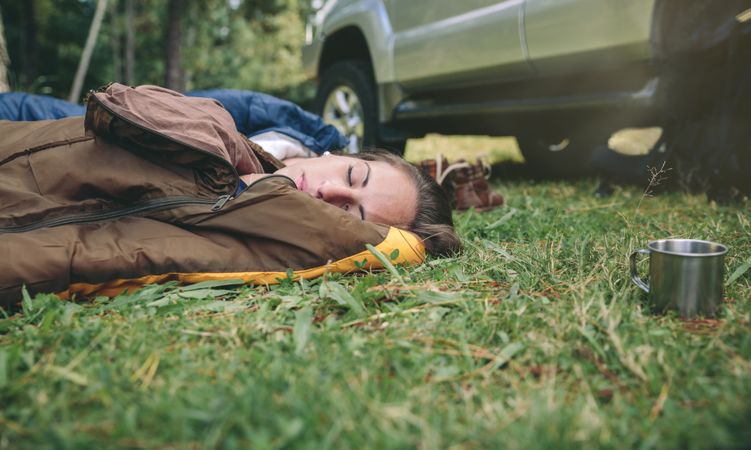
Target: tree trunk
(4, 59)
(130, 44)
(29, 44)
(83, 64)
(174, 78)
(116, 41)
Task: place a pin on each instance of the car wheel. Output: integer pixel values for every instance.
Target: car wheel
(347, 99)
(559, 154)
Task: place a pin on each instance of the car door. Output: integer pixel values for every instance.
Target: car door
(570, 35)
(446, 42)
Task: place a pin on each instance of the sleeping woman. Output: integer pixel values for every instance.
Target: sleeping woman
(377, 186)
(154, 186)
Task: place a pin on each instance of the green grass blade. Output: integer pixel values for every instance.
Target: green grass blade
(386, 263)
(742, 269)
(302, 329)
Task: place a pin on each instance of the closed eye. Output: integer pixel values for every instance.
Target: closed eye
(349, 175)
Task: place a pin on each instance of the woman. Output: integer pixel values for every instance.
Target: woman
(148, 190)
(377, 186)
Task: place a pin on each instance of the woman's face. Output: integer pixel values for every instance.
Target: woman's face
(374, 191)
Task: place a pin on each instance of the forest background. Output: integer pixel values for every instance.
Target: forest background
(181, 44)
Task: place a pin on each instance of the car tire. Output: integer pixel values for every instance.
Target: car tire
(347, 99)
(559, 155)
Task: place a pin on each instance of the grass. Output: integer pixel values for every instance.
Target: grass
(535, 337)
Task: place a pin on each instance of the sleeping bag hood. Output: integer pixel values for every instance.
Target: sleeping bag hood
(144, 189)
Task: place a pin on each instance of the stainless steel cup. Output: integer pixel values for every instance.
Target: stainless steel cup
(684, 274)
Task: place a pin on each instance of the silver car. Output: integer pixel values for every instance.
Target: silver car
(560, 75)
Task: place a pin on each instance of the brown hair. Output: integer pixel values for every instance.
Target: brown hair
(433, 222)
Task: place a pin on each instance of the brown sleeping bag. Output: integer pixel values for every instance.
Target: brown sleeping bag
(146, 192)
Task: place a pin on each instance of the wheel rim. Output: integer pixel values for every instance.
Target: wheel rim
(343, 110)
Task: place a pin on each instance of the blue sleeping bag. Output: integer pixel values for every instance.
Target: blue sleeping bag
(19, 106)
(254, 113)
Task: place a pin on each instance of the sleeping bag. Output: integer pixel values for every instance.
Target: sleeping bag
(145, 188)
(254, 113)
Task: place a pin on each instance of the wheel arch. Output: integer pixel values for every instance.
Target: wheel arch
(346, 43)
(361, 30)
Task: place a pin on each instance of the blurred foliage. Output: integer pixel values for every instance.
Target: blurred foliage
(237, 44)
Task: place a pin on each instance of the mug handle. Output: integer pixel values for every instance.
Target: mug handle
(634, 273)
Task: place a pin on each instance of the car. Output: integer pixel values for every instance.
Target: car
(559, 75)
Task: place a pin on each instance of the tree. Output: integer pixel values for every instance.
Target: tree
(29, 42)
(174, 76)
(4, 61)
(130, 43)
(255, 46)
(83, 65)
(116, 41)
(187, 45)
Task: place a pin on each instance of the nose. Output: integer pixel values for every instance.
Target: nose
(336, 194)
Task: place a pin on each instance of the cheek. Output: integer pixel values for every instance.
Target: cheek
(407, 203)
(282, 171)
(289, 171)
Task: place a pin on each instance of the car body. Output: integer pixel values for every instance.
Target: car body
(557, 74)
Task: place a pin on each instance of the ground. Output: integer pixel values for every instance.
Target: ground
(534, 337)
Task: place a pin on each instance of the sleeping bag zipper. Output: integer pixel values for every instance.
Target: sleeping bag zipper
(149, 206)
(141, 208)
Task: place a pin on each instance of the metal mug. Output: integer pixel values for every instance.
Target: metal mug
(684, 274)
